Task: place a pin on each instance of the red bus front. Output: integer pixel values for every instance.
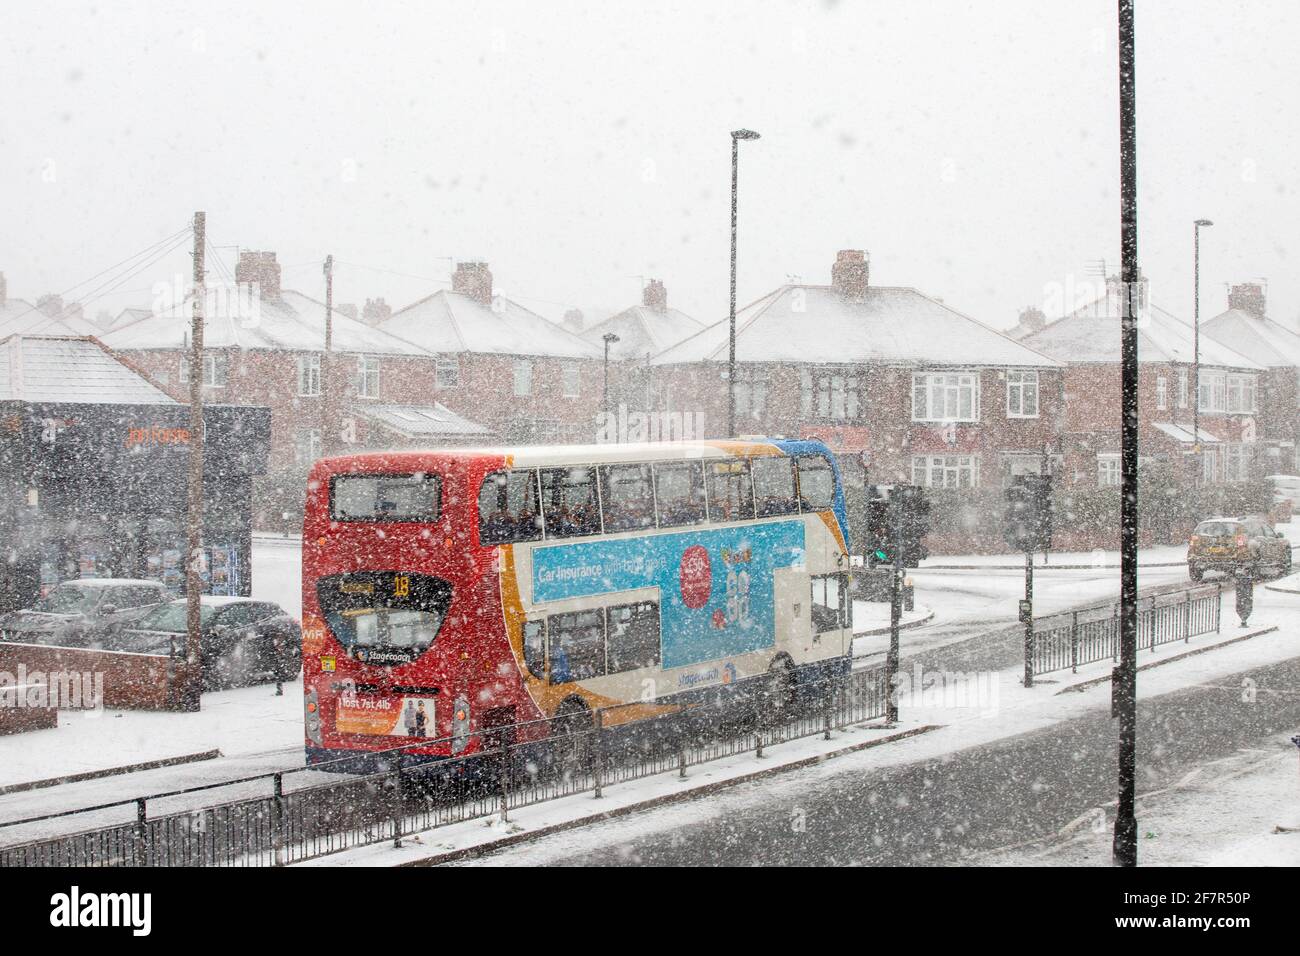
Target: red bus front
(403, 630)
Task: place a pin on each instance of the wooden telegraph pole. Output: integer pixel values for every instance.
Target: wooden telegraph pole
(194, 510)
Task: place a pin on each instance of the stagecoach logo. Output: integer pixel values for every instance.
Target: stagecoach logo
(726, 673)
(698, 677)
(374, 655)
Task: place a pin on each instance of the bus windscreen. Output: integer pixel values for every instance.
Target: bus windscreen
(384, 617)
(412, 497)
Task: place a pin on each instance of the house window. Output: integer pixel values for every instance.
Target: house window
(523, 378)
(1015, 464)
(571, 379)
(1182, 388)
(1236, 462)
(308, 375)
(1022, 394)
(945, 397)
(368, 376)
(214, 370)
(1211, 393)
(825, 393)
(1108, 472)
(1241, 393)
(751, 392)
(306, 446)
(1162, 392)
(1209, 465)
(945, 471)
(447, 372)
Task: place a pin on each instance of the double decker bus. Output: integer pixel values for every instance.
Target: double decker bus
(449, 594)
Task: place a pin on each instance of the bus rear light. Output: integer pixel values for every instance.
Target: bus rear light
(460, 725)
(311, 723)
(1241, 540)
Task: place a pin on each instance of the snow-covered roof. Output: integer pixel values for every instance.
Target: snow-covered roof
(1183, 434)
(643, 331)
(1258, 338)
(455, 322)
(36, 368)
(293, 322)
(1091, 333)
(888, 326)
(22, 318)
(424, 421)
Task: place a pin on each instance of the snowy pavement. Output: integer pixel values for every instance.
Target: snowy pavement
(1000, 710)
(258, 732)
(1240, 810)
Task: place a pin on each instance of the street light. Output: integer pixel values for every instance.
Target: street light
(1196, 350)
(736, 137)
(609, 338)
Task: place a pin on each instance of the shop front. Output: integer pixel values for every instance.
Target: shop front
(100, 490)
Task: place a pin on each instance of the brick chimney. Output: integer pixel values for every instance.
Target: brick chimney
(376, 311)
(1032, 319)
(474, 280)
(574, 321)
(50, 304)
(260, 268)
(1247, 296)
(849, 274)
(655, 296)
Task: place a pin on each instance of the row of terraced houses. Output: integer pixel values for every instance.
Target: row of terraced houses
(887, 376)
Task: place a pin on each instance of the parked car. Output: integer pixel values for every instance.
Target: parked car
(1285, 488)
(83, 612)
(242, 640)
(1233, 544)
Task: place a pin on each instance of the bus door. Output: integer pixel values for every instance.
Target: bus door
(793, 610)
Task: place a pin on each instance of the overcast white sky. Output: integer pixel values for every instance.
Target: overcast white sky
(971, 147)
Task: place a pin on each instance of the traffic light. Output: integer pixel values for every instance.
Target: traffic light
(880, 532)
(914, 516)
(896, 525)
(1028, 523)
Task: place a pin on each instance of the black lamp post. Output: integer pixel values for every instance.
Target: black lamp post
(609, 338)
(1196, 348)
(736, 137)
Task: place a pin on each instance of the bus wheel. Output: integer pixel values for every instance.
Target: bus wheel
(777, 694)
(571, 735)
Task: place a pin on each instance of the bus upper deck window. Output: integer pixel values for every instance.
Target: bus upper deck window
(731, 496)
(774, 492)
(816, 483)
(508, 508)
(569, 502)
(679, 490)
(627, 497)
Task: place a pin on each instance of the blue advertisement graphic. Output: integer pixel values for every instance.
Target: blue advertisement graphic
(715, 586)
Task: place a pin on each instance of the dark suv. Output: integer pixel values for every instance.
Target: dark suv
(83, 612)
(1233, 544)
